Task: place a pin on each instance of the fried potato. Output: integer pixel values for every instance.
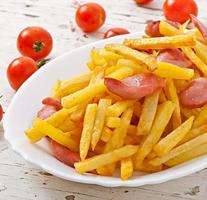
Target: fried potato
(162, 118)
(106, 134)
(180, 84)
(168, 30)
(55, 134)
(167, 70)
(113, 122)
(177, 41)
(97, 59)
(172, 95)
(196, 142)
(126, 168)
(137, 109)
(189, 112)
(200, 50)
(146, 167)
(189, 155)
(132, 139)
(105, 159)
(162, 97)
(88, 125)
(201, 118)
(34, 135)
(99, 121)
(56, 93)
(148, 114)
(167, 143)
(67, 125)
(139, 57)
(132, 130)
(91, 91)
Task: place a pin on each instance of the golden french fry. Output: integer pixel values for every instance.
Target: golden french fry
(200, 50)
(99, 121)
(105, 159)
(111, 69)
(148, 114)
(139, 57)
(113, 122)
(172, 95)
(97, 59)
(132, 130)
(91, 91)
(55, 134)
(67, 125)
(106, 134)
(146, 167)
(189, 112)
(88, 125)
(132, 139)
(168, 70)
(137, 109)
(201, 118)
(126, 168)
(196, 142)
(177, 41)
(56, 93)
(99, 149)
(167, 143)
(180, 85)
(161, 120)
(189, 155)
(34, 135)
(168, 30)
(162, 97)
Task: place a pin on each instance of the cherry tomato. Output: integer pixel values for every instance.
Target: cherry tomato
(143, 1)
(152, 29)
(19, 70)
(114, 32)
(34, 42)
(179, 10)
(1, 112)
(90, 17)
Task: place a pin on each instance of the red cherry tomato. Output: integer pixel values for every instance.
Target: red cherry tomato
(19, 70)
(90, 17)
(114, 32)
(152, 29)
(143, 1)
(179, 10)
(34, 42)
(1, 112)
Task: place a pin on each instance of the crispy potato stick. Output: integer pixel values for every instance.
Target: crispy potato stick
(55, 134)
(171, 140)
(194, 133)
(189, 155)
(195, 59)
(97, 59)
(113, 122)
(201, 50)
(34, 135)
(67, 125)
(172, 95)
(167, 42)
(99, 148)
(126, 168)
(132, 64)
(197, 34)
(201, 118)
(146, 167)
(162, 118)
(109, 56)
(148, 114)
(119, 107)
(132, 130)
(141, 58)
(196, 142)
(180, 85)
(106, 134)
(56, 90)
(151, 155)
(88, 125)
(99, 121)
(168, 30)
(167, 70)
(91, 91)
(132, 139)
(162, 97)
(186, 112)
(105, 159)
(112, 69)
(137, 109)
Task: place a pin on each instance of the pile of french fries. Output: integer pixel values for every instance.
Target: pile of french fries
(149, 135)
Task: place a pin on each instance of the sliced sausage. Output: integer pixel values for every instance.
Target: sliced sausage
(52, 102)
(152, 29)
(46, 111)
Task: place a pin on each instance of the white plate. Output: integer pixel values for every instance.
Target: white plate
(27, 101)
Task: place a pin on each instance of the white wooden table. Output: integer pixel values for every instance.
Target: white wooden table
(20, 180)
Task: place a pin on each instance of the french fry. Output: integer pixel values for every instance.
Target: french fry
(67, 125)
(167, 70)
(167, 143)
(172, 95)
(162, 97)
(55, 134)
(189, 112)
(91, 91)
(132, 139)
(106, 134)
(194, 133)
(195, 59)
(137, 109)
(97, 59)
(132, 130)
(200, 50)
(113, 122)
(118, 108)
(196, 142)
(201, 118)
(99, 149)
(189, 155)
(111, 69)
(180, 85)
(146, 167)
(177, 41)
(168, 30)
(88, 125)
(56, 93)
(148, 114)
(126, 168)
(34, 135)
(105, 159)
(161, 120)
(99, 121)
(139, 57)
